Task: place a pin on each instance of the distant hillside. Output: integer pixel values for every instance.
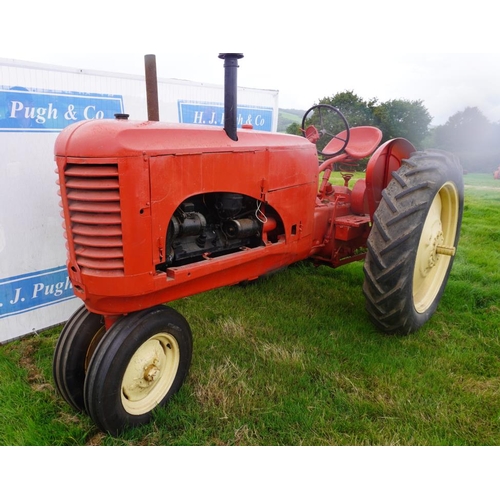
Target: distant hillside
(288, 116)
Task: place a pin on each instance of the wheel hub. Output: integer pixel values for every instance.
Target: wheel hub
(437, 240)
(144, 368)
(150, 373)
(431, 258)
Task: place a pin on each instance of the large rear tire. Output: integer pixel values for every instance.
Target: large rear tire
(412, 244)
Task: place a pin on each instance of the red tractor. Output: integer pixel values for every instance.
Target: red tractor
(155, 212)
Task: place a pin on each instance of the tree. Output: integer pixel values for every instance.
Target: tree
(471, 136)
(357, 111)
(396, 118)
(402, 118)
(464, 130)
(294, 129)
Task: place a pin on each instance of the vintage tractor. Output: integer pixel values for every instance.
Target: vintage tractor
(155, 212)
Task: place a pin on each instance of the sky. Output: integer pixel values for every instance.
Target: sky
(437, 52)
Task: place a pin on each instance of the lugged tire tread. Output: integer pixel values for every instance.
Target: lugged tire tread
(393, 241)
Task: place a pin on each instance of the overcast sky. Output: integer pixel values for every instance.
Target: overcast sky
(306, 51)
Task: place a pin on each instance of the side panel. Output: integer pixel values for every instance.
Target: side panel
(276, 177)
(176, 178)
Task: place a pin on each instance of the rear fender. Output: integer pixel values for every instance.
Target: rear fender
(386, 160)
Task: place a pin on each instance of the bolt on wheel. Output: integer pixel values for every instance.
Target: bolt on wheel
(436, 246)
(75, 346)
(150, 373)
(140, 364)
(412, 243)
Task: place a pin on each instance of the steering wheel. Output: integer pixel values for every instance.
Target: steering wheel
(318, 125)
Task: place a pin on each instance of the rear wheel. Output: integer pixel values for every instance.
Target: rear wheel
(140, 364)
(412, 243)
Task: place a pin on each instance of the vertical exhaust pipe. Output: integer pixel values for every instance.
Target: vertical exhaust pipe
(151, 88)
(231, 93)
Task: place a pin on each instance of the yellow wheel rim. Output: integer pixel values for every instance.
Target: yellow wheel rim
(436, 247)
(150, 374)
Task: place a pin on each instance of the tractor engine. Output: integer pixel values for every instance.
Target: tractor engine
(212, 224)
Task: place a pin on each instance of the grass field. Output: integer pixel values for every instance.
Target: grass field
(294, 360)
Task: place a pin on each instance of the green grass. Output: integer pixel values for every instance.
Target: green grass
(294, 360)
(482, 181)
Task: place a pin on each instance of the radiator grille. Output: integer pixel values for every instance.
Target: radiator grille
(96, 226)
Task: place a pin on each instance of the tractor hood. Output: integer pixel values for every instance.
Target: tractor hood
(125, 138)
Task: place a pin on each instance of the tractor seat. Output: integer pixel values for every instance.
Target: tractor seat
(363, 141)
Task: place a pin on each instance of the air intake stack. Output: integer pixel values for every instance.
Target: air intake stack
(231, 93)
(151, 88)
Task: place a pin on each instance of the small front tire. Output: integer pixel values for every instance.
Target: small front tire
(140, 364)
(74, 348)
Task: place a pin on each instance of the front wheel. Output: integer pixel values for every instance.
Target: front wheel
(75, 346)
(412, 243)
(139, 365)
